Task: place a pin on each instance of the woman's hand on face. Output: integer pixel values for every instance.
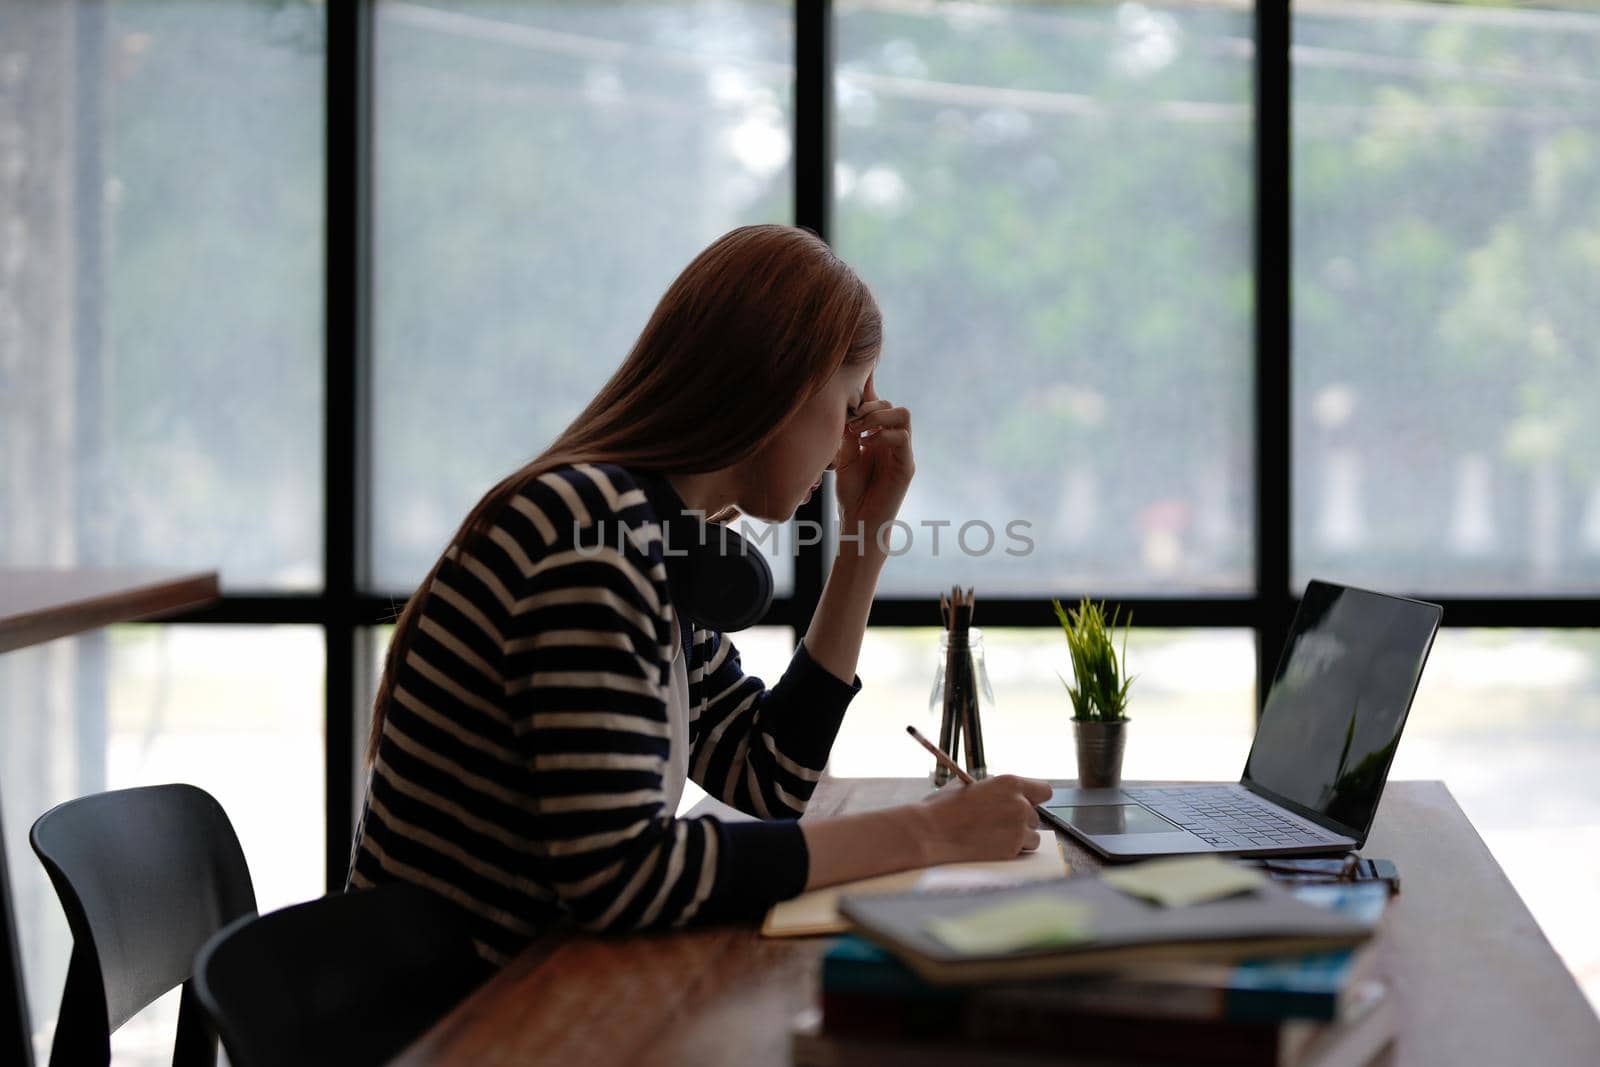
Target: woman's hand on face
(873, 467)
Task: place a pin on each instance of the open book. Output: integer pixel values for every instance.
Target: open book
(817, 912)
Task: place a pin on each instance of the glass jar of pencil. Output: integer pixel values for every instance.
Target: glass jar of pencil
(961, 700)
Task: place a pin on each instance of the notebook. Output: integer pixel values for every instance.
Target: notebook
(817, 912)
(1118, 929)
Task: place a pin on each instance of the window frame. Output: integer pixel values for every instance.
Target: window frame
(349, 610)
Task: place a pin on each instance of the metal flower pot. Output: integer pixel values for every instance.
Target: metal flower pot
(1099, 753)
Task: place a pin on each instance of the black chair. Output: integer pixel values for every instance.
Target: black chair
(350, 978)
(145, 876)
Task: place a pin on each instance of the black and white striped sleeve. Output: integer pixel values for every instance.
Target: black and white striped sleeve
(586, 656)
(763, 750)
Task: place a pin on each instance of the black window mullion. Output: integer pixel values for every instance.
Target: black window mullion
(347, 320)
(813, 194)
(1273, 337)
(813, 103)
(1002, 611)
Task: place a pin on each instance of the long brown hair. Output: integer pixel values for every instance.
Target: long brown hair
(752, 328)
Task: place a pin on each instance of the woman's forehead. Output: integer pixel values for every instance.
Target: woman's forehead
(856, 373)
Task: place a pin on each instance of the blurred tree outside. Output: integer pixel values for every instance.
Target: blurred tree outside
(1447, 260)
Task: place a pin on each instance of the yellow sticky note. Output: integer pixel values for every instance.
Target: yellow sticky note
(1034, 921)
(1175, 883)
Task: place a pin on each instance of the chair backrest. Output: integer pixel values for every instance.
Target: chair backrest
(351, 978)
(145, 877)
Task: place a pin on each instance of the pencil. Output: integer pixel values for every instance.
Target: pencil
(949, 733)
(975, 757)
(945, 761)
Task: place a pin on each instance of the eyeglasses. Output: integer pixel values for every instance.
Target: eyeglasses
(1349, 868)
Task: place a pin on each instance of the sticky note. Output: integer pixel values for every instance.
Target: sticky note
(1186, 880)
(1034, 921)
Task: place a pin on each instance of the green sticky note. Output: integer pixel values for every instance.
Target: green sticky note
(1175, 883)
(1034, 921)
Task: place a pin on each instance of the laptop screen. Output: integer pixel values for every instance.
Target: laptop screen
(1336, 706)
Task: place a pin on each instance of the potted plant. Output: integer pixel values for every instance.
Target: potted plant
(1099, 691)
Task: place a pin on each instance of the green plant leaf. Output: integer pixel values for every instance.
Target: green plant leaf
(1100, 673)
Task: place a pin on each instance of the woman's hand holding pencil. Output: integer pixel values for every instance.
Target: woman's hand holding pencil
(994, 819)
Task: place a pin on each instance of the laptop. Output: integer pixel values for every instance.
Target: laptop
(1321, 753)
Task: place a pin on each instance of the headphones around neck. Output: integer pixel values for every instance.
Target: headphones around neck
(717, 578)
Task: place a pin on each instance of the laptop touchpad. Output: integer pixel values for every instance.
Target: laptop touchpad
(1100, 819)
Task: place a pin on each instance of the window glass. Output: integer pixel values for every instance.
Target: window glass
(1191, 705)
(1446, 243)
(1510, 721)
(161, 331)
(543, 173)
(1052, 204)
(235, 710)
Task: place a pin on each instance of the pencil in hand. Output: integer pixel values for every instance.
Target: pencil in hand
(944, 760)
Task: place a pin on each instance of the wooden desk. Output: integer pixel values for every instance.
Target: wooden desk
(41, 605)
(38, 606)
(1476, 981)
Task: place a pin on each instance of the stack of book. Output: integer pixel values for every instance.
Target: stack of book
(1182, 1001)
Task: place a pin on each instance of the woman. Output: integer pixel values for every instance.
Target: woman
(544, 698)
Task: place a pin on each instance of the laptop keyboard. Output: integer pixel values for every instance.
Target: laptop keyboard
(1224, 818)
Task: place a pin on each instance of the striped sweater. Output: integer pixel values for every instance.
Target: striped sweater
(520, 769)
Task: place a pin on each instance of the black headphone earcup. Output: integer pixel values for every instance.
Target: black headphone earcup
(733, 589)
(726, 583)
(717, 578)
